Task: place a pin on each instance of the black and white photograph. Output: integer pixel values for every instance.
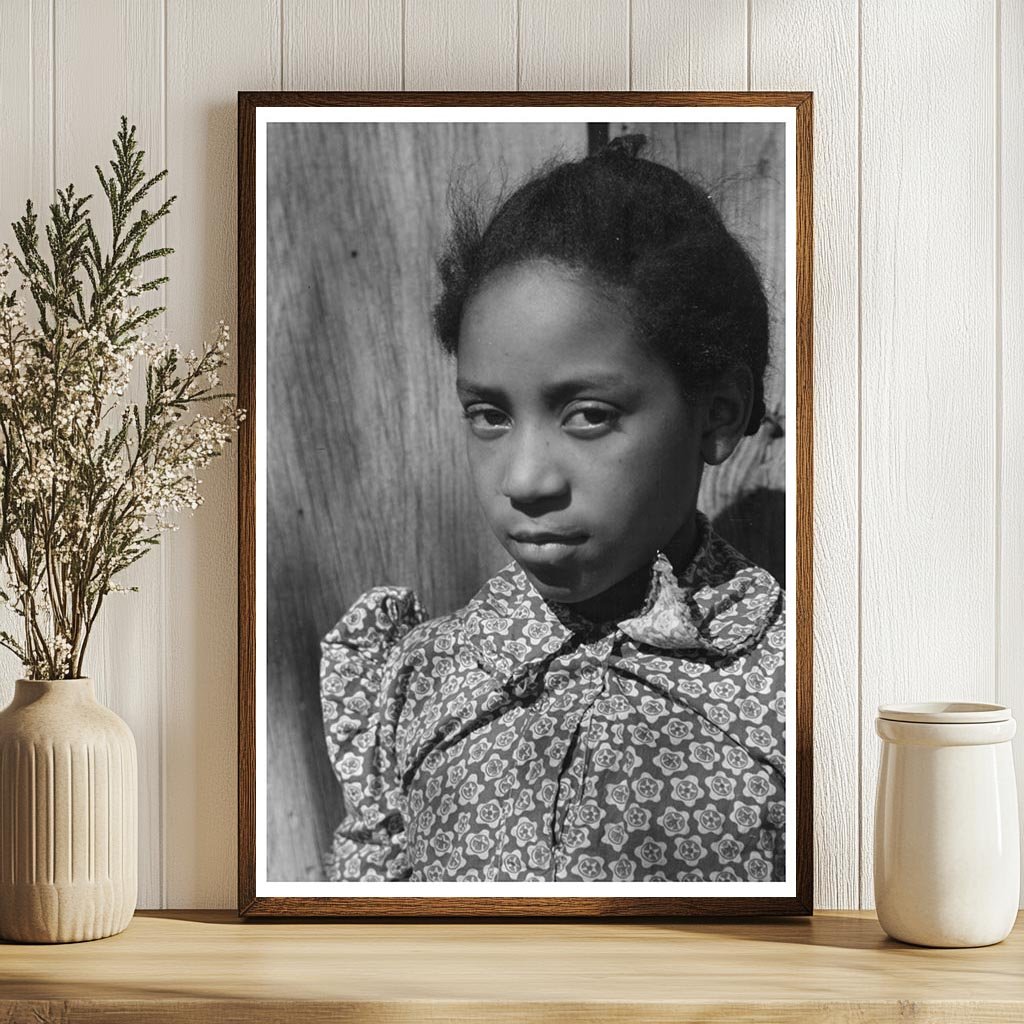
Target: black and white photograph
(525, 476)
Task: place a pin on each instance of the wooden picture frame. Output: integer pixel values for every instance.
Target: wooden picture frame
(311, 556)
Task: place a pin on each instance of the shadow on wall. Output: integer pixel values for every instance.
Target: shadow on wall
(752, 524)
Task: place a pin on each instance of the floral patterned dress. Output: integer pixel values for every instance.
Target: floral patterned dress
(514, 741)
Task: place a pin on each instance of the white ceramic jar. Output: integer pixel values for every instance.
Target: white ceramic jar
(947, 847)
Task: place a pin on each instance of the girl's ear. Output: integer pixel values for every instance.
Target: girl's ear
(726, 411)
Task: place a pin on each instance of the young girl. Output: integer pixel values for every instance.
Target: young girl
(610, 706)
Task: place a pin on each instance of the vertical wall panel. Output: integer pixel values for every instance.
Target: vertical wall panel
(460, 44)
(928, 512)
(1010, 676)
(26, 100)
(342, 44)
(26, 172)
(798, 45)
(574, 44)
(696, 45)
(213, 51)
(121, 655)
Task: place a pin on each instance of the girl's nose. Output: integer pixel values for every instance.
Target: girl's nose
(532, 473)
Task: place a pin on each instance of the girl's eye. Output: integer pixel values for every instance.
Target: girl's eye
(486, 420)
(590, 420)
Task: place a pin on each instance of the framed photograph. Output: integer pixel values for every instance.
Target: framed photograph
(525, 504)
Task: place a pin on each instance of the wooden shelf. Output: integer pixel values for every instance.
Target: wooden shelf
(208, 966)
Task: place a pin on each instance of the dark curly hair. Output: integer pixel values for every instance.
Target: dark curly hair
(691, 288)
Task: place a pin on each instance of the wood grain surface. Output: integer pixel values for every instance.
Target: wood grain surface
(701, 44)
(574, 44)
(199, 967)
(464, 44)
(928, 413)
(1009, 682)
(344, 44)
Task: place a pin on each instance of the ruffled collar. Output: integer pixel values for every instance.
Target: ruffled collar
(719, 605)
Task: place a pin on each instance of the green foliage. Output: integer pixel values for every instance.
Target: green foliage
(57, 288)
(76, 494)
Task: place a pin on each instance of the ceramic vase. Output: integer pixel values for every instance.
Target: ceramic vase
(68, 815)
(947, 847)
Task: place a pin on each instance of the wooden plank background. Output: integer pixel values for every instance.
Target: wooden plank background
(918, 310)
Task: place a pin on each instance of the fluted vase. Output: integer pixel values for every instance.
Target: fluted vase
(68, 815)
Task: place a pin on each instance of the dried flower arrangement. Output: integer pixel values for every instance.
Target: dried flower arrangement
(87, 479)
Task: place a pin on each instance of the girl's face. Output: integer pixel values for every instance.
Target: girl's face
(585, 456)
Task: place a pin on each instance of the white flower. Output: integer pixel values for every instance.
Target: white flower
(61, 410)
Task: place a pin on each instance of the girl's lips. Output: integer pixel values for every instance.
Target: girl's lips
(547, 537)
(545, 548)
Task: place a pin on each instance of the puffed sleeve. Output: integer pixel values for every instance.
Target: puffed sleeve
(358, 691)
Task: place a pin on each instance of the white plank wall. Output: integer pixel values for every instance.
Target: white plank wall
(342, 44)
(1009, 369)
(919, 324)
(460, 44)
(574, 44)
(701, 45)
(928, 514)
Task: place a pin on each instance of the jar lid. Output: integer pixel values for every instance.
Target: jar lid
(945, 712)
